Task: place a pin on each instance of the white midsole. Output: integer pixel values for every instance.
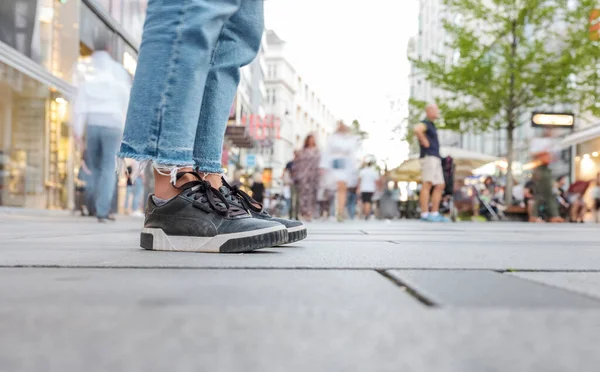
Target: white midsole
(296, 228)
(164, 242)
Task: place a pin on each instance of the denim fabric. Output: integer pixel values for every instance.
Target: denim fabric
(351, 204)
(134, 195)
(102, 144)
(186, 79)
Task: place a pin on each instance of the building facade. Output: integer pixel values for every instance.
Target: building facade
(42, 43)
(294, 105)
(429, 42)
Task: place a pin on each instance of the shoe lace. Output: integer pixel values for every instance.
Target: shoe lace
(241, 194)
(201, 190)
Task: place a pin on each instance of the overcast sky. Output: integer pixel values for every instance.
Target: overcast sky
(353, 52)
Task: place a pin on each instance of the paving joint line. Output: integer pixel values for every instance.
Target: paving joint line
(331, 268)
(411, 291)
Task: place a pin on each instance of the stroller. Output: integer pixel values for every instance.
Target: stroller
(447, 206)
(490, 212)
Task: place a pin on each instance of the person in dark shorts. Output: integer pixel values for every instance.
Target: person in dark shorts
(367, 185)
(432, 173)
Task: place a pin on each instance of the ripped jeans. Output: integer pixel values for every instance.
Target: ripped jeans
(187, 76)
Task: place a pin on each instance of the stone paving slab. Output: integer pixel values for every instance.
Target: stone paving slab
(349, 290)
(585, 283)
(121, 250)
(190, 339)
(476, 288)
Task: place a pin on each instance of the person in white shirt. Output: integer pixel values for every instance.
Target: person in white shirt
(368, 178)
(339, 158)
(99, 113)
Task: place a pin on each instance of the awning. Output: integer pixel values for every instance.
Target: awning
(580, 136)
(465, 162)
(239, 136)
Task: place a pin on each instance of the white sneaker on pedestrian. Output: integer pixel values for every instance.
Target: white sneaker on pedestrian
(138, 214)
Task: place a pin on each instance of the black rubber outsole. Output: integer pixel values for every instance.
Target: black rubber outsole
(296, 236)
(239, 245)
(252, 243)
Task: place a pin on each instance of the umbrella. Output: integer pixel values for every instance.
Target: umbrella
(465, 162)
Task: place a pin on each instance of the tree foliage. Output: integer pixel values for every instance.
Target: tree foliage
(357, 130)
(509, 58)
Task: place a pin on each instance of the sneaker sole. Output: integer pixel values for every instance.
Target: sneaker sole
(247, 241)
(295, 234)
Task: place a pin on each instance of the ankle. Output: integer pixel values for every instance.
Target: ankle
(164, 189)
(214, 179)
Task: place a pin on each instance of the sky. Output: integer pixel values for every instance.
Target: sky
(353, 52)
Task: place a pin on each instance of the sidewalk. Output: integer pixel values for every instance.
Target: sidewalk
(359, 296)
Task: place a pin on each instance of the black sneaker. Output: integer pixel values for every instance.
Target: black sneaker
(296, 229)
(200, 219)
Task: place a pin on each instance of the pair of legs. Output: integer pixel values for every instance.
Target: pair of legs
(133, 198)
(351, 203)
(187, 76)
(577, 211)
(544, 195)
(341, 196)
(101, 146)
(433, 192)
(367, 202)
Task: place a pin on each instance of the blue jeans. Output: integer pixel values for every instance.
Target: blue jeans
(102, 144)
(134, 193)
(351, 204)
(187, 76)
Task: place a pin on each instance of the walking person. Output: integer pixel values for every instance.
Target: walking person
(289, 190)
(187, 76)
(542, 151)
(352, 193)
(339, 158)
(432, 174)
(367, 181)
(596, 197)
(135, 190)
(307, 177)
(100, 110)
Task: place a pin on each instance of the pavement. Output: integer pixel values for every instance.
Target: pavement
(359, 296)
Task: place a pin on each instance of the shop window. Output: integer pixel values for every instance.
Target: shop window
(34, 143)
(43, 30)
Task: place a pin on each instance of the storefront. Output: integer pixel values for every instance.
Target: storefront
(38, 50)
(42, 45)
(586, 148)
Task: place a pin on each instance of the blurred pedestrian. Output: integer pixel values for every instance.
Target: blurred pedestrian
(339, 159)
(543, 150)
(100, 110)
(368, 178)
(305, 171)
(258, 189)
(596, 197)
(352, 198)
(432, 175)
(135, 189)
(291, 193)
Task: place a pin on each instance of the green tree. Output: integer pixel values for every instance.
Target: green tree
(511, 57)
(357, 130)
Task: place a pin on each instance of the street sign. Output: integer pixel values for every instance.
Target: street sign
(552, 120)
(250, 161)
